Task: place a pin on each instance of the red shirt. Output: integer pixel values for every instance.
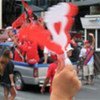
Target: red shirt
(51, 72)
(17, 57)
(22, 49)
(32, 52)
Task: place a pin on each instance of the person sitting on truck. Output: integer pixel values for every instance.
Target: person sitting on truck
(87, 57)
(18, 52)
(48, 55)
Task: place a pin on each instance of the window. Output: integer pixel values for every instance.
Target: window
(98, 40)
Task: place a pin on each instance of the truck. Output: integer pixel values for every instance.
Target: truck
(24, 73)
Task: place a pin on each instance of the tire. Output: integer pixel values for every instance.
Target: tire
(18, 81)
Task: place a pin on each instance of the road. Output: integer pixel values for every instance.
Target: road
(86, 93)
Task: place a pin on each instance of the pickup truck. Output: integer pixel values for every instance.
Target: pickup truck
(25, 73)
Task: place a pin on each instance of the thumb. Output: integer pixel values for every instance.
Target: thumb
(61, 63)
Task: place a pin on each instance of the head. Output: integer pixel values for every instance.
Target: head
(69, 50)
(7, 55)
(86, 44)
(8, 30)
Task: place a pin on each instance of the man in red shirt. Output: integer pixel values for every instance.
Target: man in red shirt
(50, 75)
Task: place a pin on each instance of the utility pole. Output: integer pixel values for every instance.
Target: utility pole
(0, 14)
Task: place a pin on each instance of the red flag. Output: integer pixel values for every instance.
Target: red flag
(19, 21)
(27, 8)
(34, 32)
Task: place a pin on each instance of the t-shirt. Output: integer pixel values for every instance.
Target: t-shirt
(91, 60)
(32, 52)
(83, 52)
(47, 51)
(22, 49)
(9, 69)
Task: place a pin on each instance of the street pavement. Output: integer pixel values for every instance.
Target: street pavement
(87, 92)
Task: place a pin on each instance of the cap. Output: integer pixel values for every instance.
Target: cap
(69, 48)
(9, 28)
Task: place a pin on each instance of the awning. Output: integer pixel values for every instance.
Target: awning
(36, 8)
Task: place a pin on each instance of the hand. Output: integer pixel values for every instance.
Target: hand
(65, 84)
(42, 89)
(91, 34)
(32, 61)
(12, 84)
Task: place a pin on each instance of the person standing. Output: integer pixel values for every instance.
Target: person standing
(65, 83)
(50, 75)
(68, 54)
(53, 67)
(88, 62)
(7, 80)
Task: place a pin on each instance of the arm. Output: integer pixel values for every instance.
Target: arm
(1, 69)
(45, 58)
(93, 39)
(46, 81)
(46, 51)
(11, 76)
(11, 70)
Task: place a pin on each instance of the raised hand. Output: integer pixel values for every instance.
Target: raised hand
(91, 34)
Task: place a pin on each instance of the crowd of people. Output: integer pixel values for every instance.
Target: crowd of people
(62, 76)
(27, 52)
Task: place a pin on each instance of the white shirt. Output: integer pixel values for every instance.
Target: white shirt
(47, 51)
(83, 52)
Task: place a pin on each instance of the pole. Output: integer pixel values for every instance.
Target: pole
(0, 14)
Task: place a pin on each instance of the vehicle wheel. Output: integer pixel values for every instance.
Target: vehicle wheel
(18, 81)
